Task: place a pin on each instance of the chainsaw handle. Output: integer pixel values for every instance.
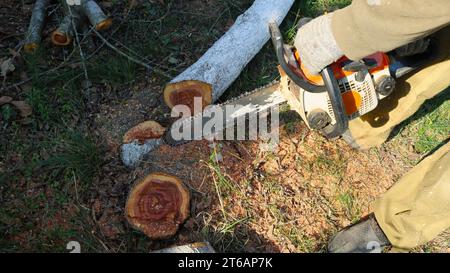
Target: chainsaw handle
(341, 125)
(277, 40)
(330, 86)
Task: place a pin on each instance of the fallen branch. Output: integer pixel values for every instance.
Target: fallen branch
(95, 15)
(217, 69)
(74, 20)
(33, 36)
(64, 34)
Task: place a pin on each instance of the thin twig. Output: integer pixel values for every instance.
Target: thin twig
(79, 45)
(61, 65)
(129, 57)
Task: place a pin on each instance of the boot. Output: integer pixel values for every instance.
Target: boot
(365, 236)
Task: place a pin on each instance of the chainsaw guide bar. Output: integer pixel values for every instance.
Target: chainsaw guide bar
(251, 102)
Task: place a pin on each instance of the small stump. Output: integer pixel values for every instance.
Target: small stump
(157, 205)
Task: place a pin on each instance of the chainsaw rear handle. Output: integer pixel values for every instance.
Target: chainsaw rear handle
(330, 85)
(278, 43)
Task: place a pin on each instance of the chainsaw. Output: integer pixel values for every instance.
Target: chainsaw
(343, 91)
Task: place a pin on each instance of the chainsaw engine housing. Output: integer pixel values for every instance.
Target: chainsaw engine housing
(361, 84)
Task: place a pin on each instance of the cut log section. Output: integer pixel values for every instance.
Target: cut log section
(75, 15)
(34, 33)
(144, 131)
(219, 67)
(157, 205)
(184, 92)
(63, 35)
(140, 140)
(95, 15)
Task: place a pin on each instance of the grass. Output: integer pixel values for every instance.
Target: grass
(222, 234)
(75, 156)
(428, 128)
(224, 184)
(350, 205)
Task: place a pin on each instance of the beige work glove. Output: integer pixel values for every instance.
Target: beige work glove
(316, 44)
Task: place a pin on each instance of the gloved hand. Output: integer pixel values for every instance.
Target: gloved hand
(316, 44)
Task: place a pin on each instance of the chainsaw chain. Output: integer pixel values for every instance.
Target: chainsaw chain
(168, 139)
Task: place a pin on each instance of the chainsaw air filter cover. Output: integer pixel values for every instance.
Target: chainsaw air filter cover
(358, 88)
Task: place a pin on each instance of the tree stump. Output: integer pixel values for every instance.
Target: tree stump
(157, 205)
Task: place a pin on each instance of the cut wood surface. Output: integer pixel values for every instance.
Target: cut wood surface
(140, 140)
(144, 131)
(219, 67)
(157, 205)
(184, 92)
(75, 18)
(64, 34)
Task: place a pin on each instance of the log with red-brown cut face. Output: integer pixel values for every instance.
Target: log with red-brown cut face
(183, 93)
(158, 205)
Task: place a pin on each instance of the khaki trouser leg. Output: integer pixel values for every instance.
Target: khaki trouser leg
(374, 128)
(417, 208)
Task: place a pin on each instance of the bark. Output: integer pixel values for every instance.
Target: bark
(34, 33)
(64, 34)
(95, 14)
(132, 153)
(224, 61)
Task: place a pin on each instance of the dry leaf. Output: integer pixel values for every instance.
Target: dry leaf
(23, 107)
(5, 100)
(6, 66)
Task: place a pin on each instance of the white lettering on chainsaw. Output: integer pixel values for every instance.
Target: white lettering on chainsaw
(211, 123)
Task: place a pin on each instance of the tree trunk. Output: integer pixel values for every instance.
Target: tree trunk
(219, 67)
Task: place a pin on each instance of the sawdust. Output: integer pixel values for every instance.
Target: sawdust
(293, 195)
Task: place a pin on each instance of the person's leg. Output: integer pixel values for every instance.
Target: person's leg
(417, 208)
(374, 128)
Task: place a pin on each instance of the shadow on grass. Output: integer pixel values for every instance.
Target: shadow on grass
(428, 107)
